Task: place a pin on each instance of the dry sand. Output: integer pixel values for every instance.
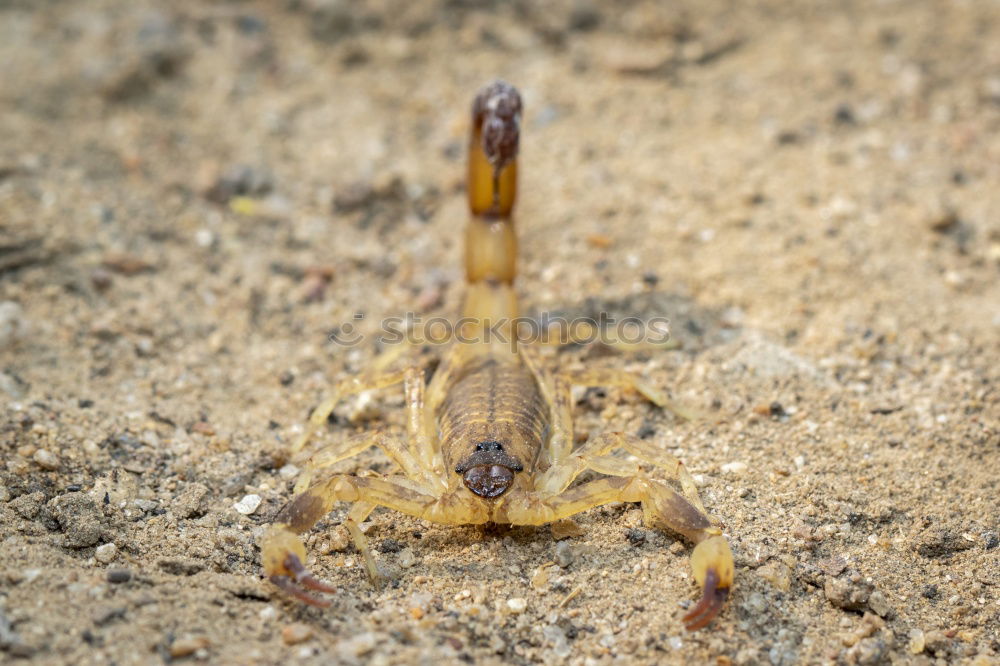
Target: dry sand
(193, 195)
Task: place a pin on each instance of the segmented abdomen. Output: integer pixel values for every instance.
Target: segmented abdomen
(493, 401)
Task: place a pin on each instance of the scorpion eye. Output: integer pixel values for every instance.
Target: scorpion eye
(490, 445)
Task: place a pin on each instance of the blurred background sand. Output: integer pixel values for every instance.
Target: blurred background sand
(194, 195)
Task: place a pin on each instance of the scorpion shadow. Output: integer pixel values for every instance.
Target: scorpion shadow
(693, 326)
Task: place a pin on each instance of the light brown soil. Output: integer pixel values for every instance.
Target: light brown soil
(809, 192)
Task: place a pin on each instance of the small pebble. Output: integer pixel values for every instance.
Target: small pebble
(296, 633)
(636, 536)
(847, 594)
(204, 237)
(105, 553)
(338, 541)
(268, 613)
(732, 317)
(389, 546)
(564, 529)
(185, 647)
(81, 520)
(936, 641)
(119, 575)
(364, 408)
(734, 468)
(103, 614)
(45, 459)
(11, 386)
(540, 578)
(517, 605)
(191, 502)
(880, 605)
(832, 566)
(564, 554)
(359, 645)
(144, 347)
(101, 278)
(405, 558)
(778, 575)
(13, 326)
(248, 504)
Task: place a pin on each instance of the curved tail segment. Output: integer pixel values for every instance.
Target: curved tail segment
(490, 241)
(495, 136)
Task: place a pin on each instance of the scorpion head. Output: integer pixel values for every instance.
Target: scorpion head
(489, 471)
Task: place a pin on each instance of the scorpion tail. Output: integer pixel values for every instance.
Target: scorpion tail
(490, 241)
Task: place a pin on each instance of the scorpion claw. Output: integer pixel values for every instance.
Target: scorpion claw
(282, 553)
(712, 599)
(285, 584)
(712, 564)
(300, 581)
(303, 577)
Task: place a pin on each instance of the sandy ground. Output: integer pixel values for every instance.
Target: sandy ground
(194, 195)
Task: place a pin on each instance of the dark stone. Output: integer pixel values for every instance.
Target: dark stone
(119, 575)
(390, 546)
(636, 536)
(844, 115)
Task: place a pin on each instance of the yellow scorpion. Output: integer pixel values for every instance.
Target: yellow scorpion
(489, 439)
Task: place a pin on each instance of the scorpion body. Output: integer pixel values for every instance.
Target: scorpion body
(490, 438)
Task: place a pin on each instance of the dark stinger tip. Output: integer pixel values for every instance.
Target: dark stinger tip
(497, 109)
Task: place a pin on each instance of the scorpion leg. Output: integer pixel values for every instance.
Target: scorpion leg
(346, 387)
(421, 434)
(711, 561)
(565, 463)
(627, 380)
(647, 452)
(593, 454)
(282, 550)
(357, 515)
(329, 455)
(436, 393)
(418, 458)
(374, 377)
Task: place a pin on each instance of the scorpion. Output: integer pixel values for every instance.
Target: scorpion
(489, 437)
